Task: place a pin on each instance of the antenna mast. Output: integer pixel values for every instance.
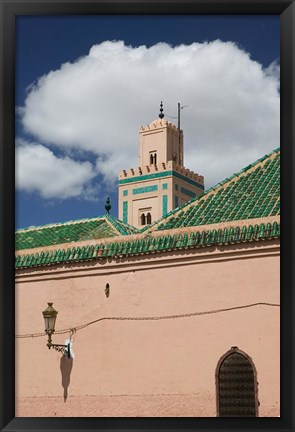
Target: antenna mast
(179, 146)
(180, 108)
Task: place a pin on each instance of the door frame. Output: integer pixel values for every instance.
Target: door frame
(235, 349)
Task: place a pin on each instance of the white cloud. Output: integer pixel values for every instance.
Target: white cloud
(99, 103)
(273, 70)
(111, 165)
(39, 170)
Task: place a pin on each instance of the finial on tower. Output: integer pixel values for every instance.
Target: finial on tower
(108, 206)
(161, 115)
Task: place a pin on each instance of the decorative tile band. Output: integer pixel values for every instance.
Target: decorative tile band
(188, 192)
(145, 189)
(165, 185)
(125, 192)
(164, 205)
(197, 239)
(161, 175)
(125, 211)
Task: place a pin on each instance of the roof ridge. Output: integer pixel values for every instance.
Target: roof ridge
(69, 222)
(110, 221)
(116, 221)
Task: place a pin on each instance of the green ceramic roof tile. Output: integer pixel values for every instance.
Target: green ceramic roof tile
(81, 230)
(122, 227)
(200, 238)
(254, 192)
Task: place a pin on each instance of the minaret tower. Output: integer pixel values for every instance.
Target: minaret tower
(161, 182)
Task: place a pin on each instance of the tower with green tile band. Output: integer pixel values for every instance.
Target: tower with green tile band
(161, 181)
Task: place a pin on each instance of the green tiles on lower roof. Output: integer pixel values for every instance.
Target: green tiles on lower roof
(252, 193)
(122, 227)
(63, 233)
(85, 229)
(143, 246)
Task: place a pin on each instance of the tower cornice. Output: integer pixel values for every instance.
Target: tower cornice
(159, 124)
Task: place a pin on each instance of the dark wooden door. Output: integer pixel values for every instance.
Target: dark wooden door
(236, 387)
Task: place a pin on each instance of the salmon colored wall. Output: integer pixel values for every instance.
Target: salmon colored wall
(163, 138)
(168, 365)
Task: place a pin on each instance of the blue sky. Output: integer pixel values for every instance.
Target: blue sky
(85, 85)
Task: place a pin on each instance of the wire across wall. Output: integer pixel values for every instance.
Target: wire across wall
(72, 330)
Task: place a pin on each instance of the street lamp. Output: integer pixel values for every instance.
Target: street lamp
(49, 315)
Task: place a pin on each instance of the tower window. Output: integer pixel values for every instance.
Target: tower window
(148, 218)
(153, 158)
(142, 219)
(145, 216)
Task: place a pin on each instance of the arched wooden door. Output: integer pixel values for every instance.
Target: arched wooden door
(236, 385)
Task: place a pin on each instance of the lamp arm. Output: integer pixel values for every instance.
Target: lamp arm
(64, 349)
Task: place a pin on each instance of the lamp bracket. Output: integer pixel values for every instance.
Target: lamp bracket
(64, 349)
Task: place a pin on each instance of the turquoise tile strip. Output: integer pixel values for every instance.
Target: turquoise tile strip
(198, 239)
(145, 189)
(165, 185)
(161, 175)
(188, 192)
(125, 211)
(125, 192)
(164, 205)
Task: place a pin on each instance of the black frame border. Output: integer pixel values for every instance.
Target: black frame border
(9, 9)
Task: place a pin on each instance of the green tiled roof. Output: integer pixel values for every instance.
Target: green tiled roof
(254, 192)
(149, 245)
(73, 231)
(123, 227)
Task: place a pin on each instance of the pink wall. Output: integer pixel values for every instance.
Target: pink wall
(162, 367)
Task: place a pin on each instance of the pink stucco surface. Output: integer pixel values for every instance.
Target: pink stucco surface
(162, 367)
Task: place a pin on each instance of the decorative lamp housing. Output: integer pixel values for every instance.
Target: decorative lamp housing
(49, 315)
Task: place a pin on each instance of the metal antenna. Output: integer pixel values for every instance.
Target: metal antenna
(180, 108)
